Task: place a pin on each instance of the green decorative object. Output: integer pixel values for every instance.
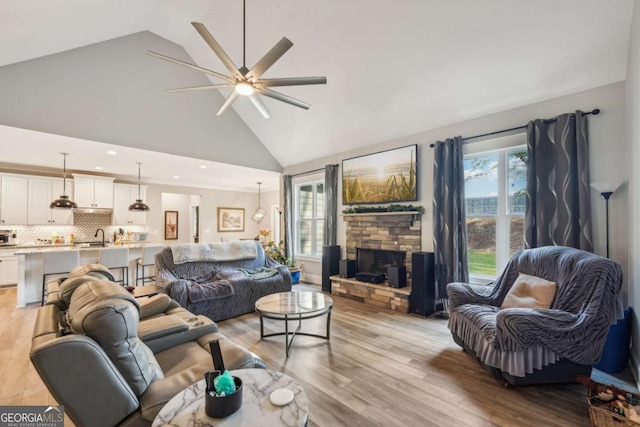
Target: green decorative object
(224, 384)
(278, 254)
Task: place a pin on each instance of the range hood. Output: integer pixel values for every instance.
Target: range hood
(95, 211)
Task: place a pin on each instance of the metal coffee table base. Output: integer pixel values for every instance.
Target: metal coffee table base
(292, 317)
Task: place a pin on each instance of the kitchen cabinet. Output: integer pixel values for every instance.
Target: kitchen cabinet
(123, 196)
(13, 209)
(42, 191)
(8, 268)
(93, 192)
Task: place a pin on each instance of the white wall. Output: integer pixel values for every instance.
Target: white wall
(179, 198)
(632, 98)
(607, 154)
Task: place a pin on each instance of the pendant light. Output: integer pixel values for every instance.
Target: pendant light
(139, 206)
(63, 202)
(259, 214)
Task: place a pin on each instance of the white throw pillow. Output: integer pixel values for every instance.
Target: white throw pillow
(530, 292)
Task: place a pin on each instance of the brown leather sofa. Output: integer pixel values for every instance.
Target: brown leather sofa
(112, 360)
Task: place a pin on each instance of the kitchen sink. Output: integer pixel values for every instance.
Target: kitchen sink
(89, 244)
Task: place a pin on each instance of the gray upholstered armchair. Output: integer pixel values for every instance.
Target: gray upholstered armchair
(540, 345)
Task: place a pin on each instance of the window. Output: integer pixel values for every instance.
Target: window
(495, 205)
(309, 213)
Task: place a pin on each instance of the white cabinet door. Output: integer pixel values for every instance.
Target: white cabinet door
(42, 191)
(39, 201)
(14, 200)
(123, 196)
(61, 216)
(93, 192)
(121, 202)
(83, 192)
(9, 270)
(103, 193)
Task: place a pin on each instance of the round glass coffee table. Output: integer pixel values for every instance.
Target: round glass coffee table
(294, 306)
(187, 407)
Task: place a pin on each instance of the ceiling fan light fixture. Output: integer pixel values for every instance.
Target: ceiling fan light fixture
(63, 202)
(139, 205)
(244, 88)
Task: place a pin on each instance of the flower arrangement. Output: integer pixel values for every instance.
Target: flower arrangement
(264, 233)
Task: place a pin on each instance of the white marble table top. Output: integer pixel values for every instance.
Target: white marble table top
(187, 407)
(294, 303)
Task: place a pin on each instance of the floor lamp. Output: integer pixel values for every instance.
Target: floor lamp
(607, 195)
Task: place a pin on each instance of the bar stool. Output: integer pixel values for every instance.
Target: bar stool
(116, 259)
(147, 260)
(57, 264)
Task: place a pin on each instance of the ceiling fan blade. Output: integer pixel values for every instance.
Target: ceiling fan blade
(187, 89)
(269, 59)
(293, 81)
(260, 105)
(213, 44)
(230, 100)
(284, 98)
(193, 67)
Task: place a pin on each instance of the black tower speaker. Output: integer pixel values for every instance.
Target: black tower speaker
(423, 284)
(397, 276)
(330, 265)
(348, 268)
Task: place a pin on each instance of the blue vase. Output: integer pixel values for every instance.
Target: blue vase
(615, 354)
(295, 276)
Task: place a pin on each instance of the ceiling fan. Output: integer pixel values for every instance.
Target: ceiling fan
(246, 82)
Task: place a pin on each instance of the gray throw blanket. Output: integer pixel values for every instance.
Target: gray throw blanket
(259, 273)
(576, 325)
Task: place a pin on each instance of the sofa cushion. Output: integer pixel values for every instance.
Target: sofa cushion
(530, 292)
(108, 314)
(99, 271)
(69, 286)
(155, 305)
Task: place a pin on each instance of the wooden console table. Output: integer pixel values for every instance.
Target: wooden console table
(396, 299)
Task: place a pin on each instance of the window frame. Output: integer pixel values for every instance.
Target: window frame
(314, 219)
(503, 217)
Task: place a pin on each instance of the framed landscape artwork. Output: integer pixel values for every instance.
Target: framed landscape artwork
(384, 177)
(230, 219)
(170, 225)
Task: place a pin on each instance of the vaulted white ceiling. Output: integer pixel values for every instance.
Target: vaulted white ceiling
(394, 68)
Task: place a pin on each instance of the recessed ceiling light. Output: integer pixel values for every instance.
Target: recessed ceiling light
(203, 167)
(99, 168)
(113, 153)
(176, 177)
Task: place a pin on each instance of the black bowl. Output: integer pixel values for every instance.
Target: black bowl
(220, 407)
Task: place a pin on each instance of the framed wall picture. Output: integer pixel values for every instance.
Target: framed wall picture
(230, 219)
(170, 225)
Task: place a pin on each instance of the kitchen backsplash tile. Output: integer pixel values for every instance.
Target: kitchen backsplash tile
(84, 228)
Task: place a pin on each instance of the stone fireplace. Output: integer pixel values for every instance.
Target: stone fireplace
(391, 232)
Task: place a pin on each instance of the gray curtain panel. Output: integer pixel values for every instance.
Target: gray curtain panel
(288, 215)
(449, 221)
(558, 206)
(330, 204)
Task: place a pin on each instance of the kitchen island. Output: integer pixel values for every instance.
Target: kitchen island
(30, 261)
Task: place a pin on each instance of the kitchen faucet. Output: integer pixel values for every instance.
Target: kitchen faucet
(96, 235)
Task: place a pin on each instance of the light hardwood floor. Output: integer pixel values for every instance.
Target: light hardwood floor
(380, 368)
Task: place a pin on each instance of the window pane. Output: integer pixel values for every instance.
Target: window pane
(516, 234)
(320, 200)
(516, 180)
(304, 237)
(320, 236)
(481, 237)
(481, 185)
(306, 201)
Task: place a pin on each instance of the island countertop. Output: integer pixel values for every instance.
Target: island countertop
(24, 250)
